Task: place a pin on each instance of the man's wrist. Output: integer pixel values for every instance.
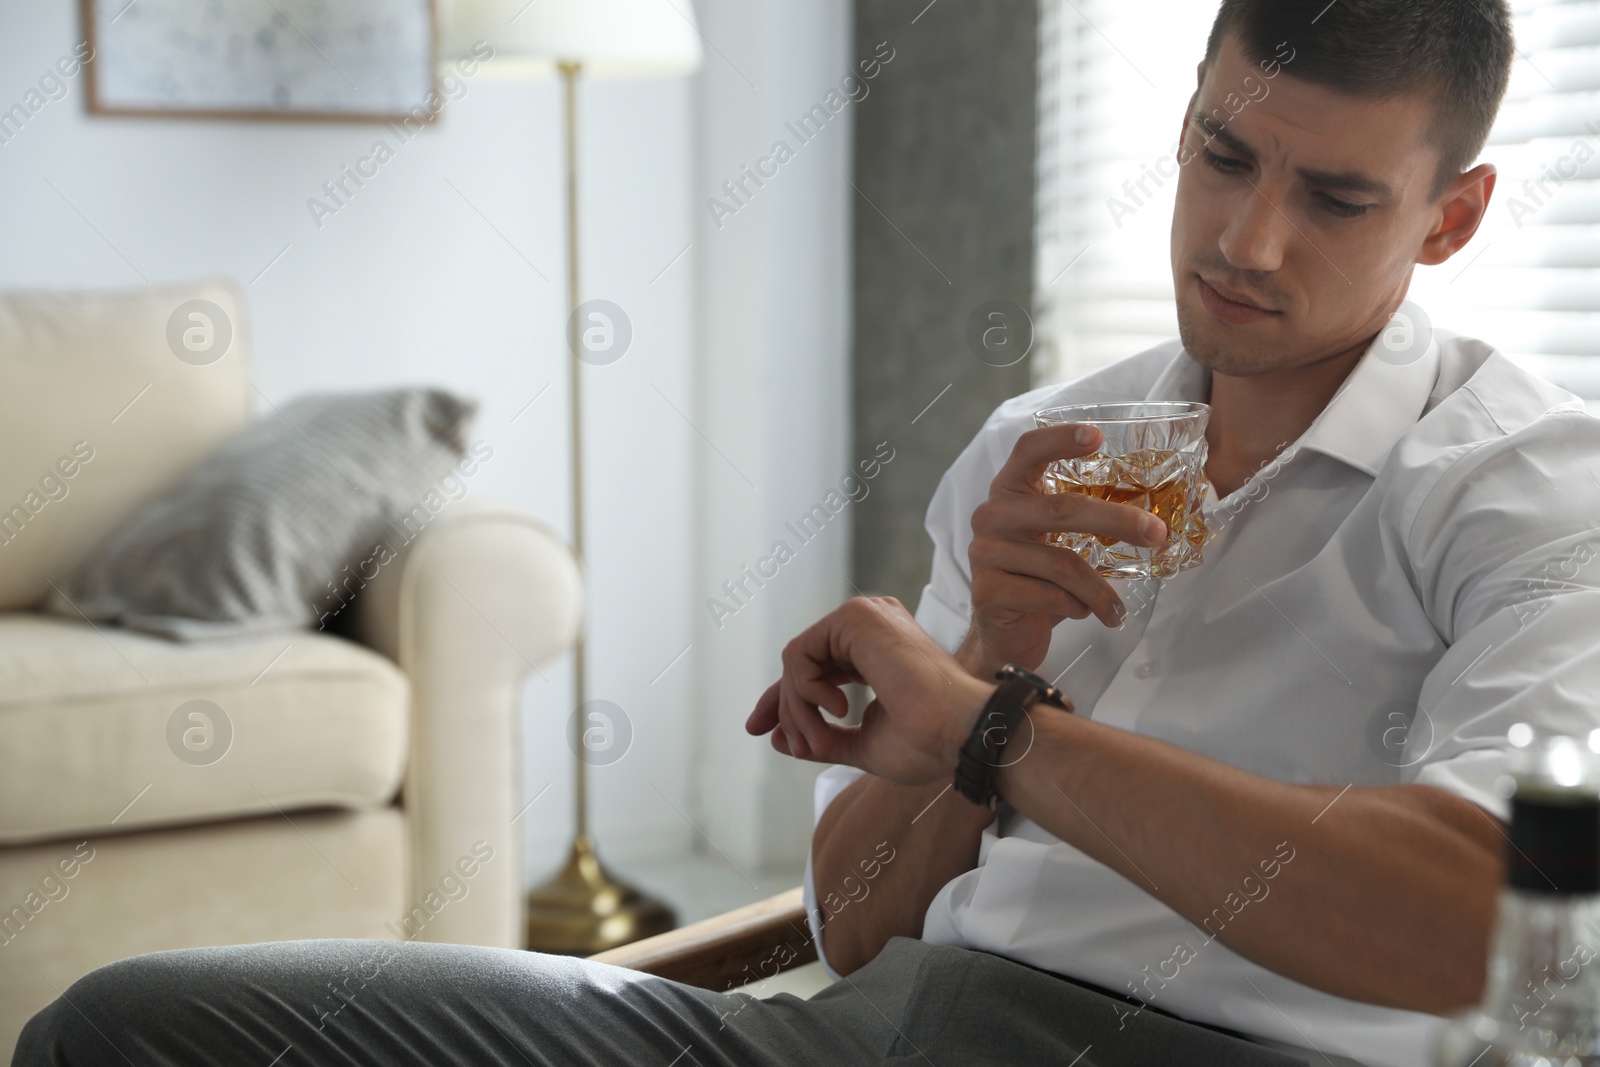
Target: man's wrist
(1018, 781)
(974, 656)
(967, 698)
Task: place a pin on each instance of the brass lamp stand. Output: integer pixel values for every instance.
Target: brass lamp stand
(582, 909)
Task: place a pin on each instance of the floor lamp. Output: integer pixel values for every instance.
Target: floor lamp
(582, 909)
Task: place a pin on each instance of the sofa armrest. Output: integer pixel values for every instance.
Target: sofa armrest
(476, 602)
(726, 951)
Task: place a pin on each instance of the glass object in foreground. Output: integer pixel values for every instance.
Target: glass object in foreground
(1541, 1003)
(1153, 456)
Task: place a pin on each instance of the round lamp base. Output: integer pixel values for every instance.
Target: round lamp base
(582, 909)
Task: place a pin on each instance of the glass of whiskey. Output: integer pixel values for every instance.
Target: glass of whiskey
(1153, 456)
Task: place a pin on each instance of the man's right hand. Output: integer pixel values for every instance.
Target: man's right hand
(1022, 585)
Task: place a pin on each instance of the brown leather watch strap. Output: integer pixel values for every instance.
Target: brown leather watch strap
(1002, 718)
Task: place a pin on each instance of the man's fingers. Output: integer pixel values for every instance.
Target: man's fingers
(793, 713)
(1019, 594)
(1019, 509)
(814, 666)
(802, 697)
(1033, 577)
(786, 719)
(821, 740)
(841, 748)
(1028, 516)
(875, 641)
(1037, 449)
(803, 741)
(824, 692)
(765, 715)
(1080, 513)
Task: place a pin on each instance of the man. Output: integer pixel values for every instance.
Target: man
(1224, 830)
(1284, 818)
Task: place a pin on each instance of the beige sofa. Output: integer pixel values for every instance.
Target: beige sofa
(369, 787)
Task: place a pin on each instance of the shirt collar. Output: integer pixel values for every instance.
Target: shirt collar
(1373, 408)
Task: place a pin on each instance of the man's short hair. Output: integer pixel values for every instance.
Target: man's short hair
(1456, 53)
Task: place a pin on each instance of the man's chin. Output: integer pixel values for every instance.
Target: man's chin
(1222, 348)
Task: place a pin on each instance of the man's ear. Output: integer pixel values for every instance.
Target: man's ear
(1461, 210)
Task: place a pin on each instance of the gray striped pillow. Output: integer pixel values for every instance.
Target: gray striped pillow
(252, 538)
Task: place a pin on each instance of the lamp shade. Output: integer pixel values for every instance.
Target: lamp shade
(608, 38)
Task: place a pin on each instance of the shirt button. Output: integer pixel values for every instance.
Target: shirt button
(1145, 670)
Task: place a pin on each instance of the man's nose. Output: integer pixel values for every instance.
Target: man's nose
(1256, 235)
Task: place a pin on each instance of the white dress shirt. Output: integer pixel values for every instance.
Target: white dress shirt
(1375, 607)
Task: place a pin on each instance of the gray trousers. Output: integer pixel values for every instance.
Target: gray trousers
(402, 1003)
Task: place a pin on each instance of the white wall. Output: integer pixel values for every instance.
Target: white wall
(773, 385)
(408, 283)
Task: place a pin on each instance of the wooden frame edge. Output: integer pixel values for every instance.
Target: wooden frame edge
(737, 948)
(93, 106)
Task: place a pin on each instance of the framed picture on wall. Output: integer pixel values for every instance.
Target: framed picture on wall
(351, 60)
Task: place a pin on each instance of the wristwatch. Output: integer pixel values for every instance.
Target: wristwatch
(1005, 712)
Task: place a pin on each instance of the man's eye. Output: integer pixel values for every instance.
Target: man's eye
(1343, 208)
(1226, 164)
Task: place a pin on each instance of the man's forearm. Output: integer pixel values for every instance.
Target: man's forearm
(1387, 896)
(934, 834)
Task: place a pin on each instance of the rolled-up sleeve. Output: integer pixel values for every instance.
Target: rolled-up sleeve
(1537, 663)
(1505, 549)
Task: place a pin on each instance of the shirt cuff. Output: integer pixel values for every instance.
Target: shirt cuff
(944, 624)
(1472, 775)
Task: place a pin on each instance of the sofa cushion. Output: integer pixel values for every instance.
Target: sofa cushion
(282, 521)
(106, 398)
(103, 729)
(331, 874)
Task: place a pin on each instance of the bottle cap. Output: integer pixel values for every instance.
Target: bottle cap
(1554, 845)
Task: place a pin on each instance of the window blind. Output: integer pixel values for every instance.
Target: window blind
(1114, 80)
(1529, 282)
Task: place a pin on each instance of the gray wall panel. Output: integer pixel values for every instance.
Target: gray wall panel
(943, 224)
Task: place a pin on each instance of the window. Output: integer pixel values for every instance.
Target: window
(1114, 80)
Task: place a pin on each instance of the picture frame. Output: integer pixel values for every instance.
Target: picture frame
(282, 60)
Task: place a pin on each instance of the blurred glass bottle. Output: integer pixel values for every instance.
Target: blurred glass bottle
(1541, 1004)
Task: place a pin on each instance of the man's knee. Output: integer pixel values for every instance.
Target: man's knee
(51, 1038)
(76, 1027)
